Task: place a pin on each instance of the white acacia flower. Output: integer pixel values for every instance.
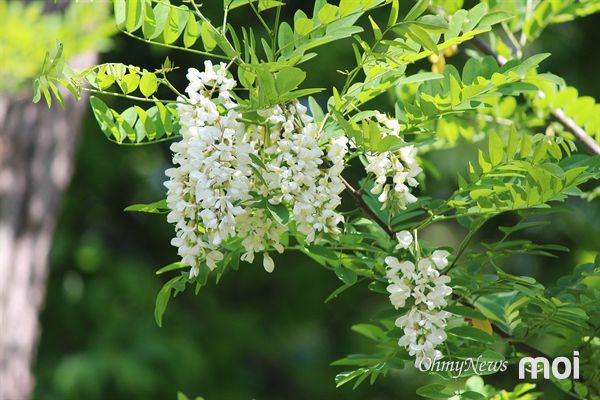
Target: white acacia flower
(268, 263)
(439, 258)
(212, 258)
(405, 239)
(423, 325)
(212, 181)
(399, 166)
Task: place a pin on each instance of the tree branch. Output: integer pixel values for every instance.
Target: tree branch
(357, 195)
(557, 113)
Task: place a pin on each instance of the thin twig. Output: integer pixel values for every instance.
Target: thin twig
(357, 195)
(175, 47)
(557, 113)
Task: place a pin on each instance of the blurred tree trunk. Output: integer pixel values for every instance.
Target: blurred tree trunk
(37, 146)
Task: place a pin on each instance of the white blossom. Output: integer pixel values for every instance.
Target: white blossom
(405, 239)
(212, 183)
(424, 323)
(268, 263)
(439, 257)
(399, 166)
(300, 173)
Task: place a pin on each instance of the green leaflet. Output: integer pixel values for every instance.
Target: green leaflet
(136, 125)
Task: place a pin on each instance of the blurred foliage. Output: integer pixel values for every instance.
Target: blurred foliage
(257, 336)
(28, 31)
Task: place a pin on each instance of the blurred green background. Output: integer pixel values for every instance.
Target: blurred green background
(254, 335)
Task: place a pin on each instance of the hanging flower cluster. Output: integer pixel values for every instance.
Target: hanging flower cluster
(400, 165)
(300, 173)
(426, 289)
(213, 189)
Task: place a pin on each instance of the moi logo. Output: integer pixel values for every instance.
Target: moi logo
(561, 367)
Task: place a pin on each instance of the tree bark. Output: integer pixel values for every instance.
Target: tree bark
(37, 147)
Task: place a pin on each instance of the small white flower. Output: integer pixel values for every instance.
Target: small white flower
(405, 239)
(212, 258)
(439, 258)
(400, 165)
(268, 263)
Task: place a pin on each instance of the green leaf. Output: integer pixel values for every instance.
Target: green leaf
(158, 207)
(337, 292)
(280, 212)
(315, 110)
(134, 15)
(370, 331)
(246, 77)
(161, 14)
(394, 13)
(322, 252)
(433, 23)
(262, 4)
(129, 83)
(345, 377)
(327, 14)
(176, 22)
(182, 396)
(162, 300)
(348, 6)
(435, 391)
(417, 10)
(120, 10)
(191, 33)
(148, 84)
(267, 4)
(513, 142)
(389, 143)
(104, 117)
(345, 274)
(529, 63)
(470, 333)
(376, 29)
(472, 395)
(464, 311)
(207, 34)
(289, 79)
(303, 26)
(171, 267)
(285, 38)
(494, 18)
(474, 16)
(256, 160)
(148, 20)
(495, 149)
(421, 36)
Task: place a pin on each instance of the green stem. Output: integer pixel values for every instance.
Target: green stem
(136, 98)
(260, 18)
(172, 46)
(464, 244)
(276, 29)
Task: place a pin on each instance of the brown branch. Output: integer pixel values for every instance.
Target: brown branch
(557, 113)
(357, 195)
